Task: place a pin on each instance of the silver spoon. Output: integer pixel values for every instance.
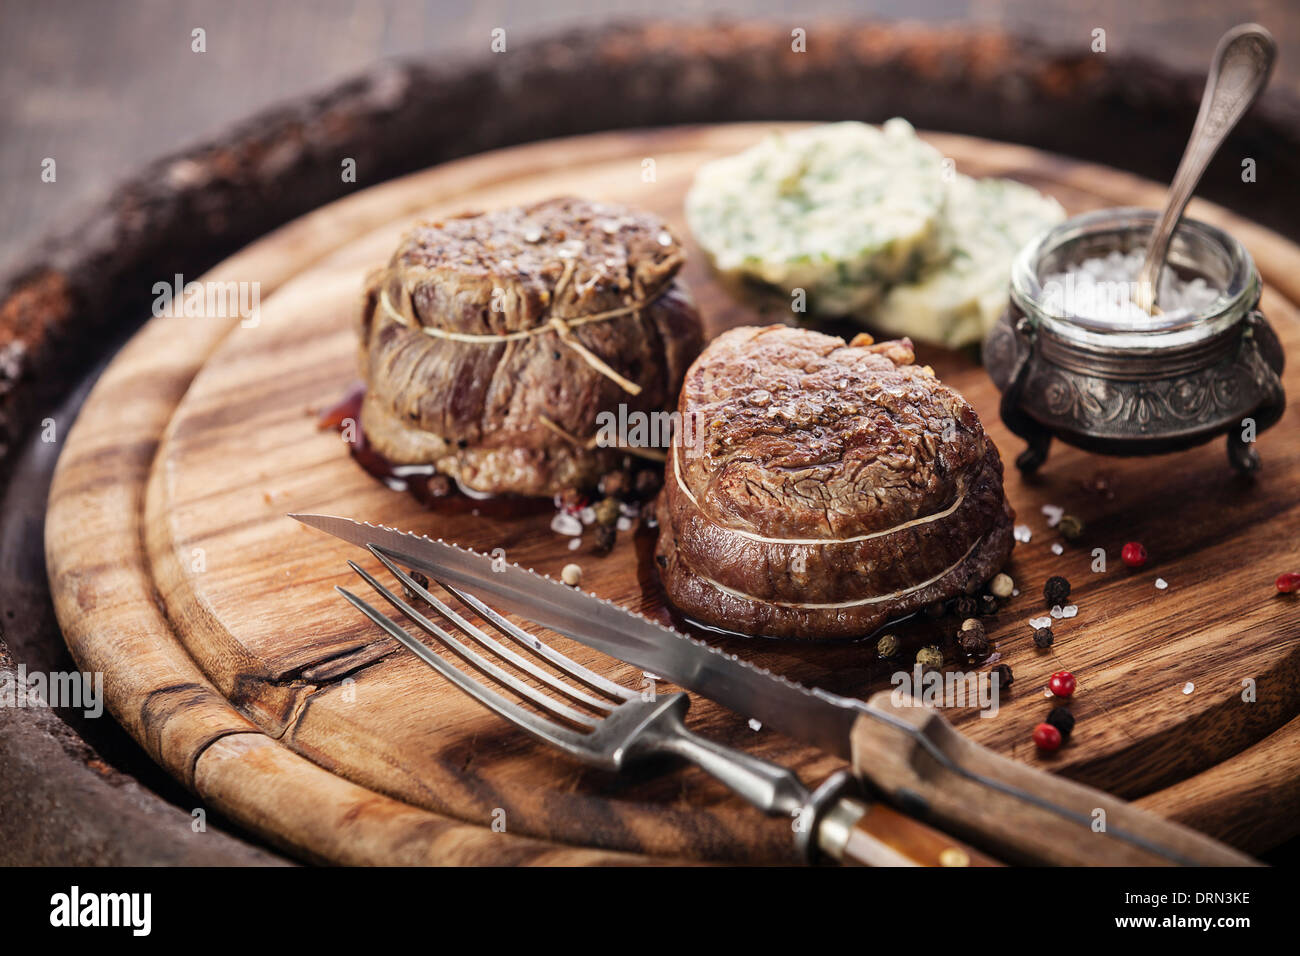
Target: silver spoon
(1238, 73)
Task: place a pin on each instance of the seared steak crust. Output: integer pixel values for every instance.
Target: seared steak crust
(821, 490)
(465, 365)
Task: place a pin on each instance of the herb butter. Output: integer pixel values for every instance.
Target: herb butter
(841, 211)
(868, 222)
(957, 301)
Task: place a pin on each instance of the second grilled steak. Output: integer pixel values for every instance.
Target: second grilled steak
(822, 489)
(491, 342)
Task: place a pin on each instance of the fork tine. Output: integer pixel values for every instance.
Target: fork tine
(496, 647)
(534, 644)
(483, 666)
(539, 727)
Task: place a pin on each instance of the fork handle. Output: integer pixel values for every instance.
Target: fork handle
(772, 788)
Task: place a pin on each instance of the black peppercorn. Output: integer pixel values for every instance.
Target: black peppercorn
(974, 643)
(1004, 675)
(1056, 591)
(966, 606)
(419, 579)
(604, 535)
(1062, 720)
(1043, 637)
(648, 483)
(988, 604)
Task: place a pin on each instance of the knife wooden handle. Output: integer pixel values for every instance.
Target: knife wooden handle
(916, 758)
(858, 833)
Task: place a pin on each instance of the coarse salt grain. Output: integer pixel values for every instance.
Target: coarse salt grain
(1161, 584)
(1188, 687)
(1057, 548)
(1022, 533)
(1054, 514)
(1037, 622)
(575, 544)
(1015, 592)
(566, 524)
(1056, 611)
(755, 725)
(1070, 610)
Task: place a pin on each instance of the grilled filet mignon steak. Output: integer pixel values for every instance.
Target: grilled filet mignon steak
(491, 342)
(819, 489)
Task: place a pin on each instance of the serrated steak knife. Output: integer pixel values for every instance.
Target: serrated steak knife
(909, 754)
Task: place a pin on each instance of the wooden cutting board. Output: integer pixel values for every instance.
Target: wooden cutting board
(227, 654)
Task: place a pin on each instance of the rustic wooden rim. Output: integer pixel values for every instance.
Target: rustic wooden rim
(183, 212)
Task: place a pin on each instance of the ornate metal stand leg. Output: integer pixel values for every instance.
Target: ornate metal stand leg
(1040, 443)
(1242, 455)
(1262, 354)
(1039, 438)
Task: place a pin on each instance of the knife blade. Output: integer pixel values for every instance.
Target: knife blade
(814, 716)
(981, 794)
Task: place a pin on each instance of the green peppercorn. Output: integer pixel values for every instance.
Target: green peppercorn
(887, 646)
(929, 658)
(1071, 528)
(607, 511)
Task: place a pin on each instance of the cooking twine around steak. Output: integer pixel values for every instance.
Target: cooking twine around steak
(562, 327)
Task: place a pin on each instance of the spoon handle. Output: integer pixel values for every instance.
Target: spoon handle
(1238, 73)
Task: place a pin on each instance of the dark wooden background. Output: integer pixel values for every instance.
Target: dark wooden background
(101, 87)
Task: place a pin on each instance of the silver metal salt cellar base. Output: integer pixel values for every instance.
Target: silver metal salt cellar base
(1124, 388)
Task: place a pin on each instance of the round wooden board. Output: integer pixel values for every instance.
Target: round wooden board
(228, 655)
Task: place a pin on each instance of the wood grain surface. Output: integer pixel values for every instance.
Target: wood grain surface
(228, 655)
